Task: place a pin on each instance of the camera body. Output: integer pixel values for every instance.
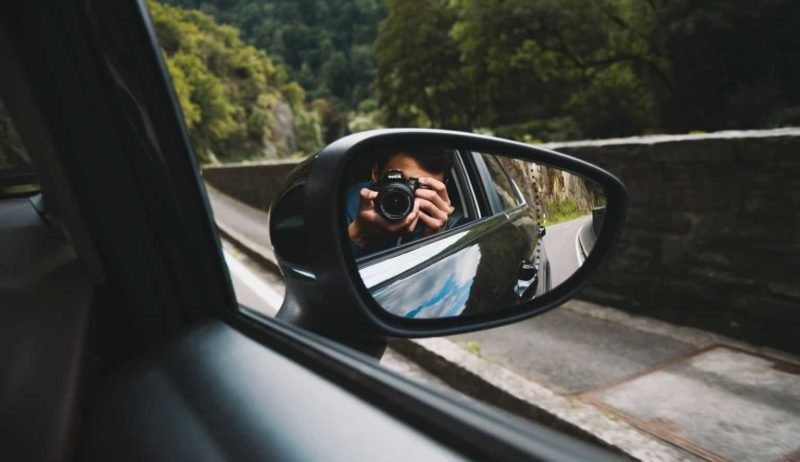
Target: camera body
(395, 195)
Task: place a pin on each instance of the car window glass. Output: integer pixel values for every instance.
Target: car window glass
(16, 172)
(501, 184)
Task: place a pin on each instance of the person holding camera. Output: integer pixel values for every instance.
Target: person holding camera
(406, 199)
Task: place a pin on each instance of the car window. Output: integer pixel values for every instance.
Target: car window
(502, 186)
(464, 212)
(16, 172)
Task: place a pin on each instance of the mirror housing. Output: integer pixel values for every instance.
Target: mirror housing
(325, 293)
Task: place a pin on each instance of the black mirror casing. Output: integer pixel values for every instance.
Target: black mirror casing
(342, 308)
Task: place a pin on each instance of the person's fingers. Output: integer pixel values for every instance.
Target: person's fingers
(437, 200)
(431, 222)
(367, 196)
(436, 185)
(413, 217)
(413, 224)
(432, 210)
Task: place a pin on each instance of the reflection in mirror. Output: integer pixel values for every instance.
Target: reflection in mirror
(449, 232)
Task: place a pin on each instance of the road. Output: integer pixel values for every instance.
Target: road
(561, 245)
(255, 287)
(247, 221)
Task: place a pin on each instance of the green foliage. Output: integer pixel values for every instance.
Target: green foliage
(307, 126)
(473, 348)
(531, 70)
(565, 69)
(561, 210)
(326, 45)
(236, 102)
(12, 151)
(419, 81)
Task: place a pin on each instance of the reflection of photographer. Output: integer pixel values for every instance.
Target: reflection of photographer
(406, 199)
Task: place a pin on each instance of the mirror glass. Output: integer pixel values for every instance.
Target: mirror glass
(449, 232)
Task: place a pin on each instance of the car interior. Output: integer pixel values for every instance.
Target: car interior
(46, 295)
(120, 332)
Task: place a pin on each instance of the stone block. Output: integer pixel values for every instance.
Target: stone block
(709, 150)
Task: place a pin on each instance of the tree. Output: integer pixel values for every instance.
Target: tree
(236, 101)
(325, 44)
(419, 79)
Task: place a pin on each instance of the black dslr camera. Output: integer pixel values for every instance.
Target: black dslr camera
(395, 195)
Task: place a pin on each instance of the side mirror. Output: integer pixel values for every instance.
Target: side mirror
(414, 233)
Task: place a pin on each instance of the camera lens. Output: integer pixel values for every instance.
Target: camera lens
(395, 203)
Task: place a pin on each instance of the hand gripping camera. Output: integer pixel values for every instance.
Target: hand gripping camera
(395, 195)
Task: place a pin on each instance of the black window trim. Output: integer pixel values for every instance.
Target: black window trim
(462, 169)
(517, 192)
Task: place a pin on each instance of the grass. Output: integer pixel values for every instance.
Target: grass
(473, 348)
(20, 189)
(561, 211)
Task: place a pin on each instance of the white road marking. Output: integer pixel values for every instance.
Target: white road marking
(578, 251)
(262, 290)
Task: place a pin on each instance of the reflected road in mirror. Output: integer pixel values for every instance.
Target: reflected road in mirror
(564, 250)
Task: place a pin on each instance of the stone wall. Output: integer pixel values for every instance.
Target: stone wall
(254, 184)
(712, 237)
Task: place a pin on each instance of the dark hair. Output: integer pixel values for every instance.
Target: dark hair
(434, 160)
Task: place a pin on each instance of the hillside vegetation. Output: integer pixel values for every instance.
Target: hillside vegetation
(531, 70)
(325, 45)
(237, 103)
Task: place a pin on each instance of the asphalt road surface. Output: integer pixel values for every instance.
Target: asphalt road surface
(255, 287)
(561, 245)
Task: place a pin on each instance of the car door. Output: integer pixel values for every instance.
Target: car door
(514, 247)
(164, 364)
(523, 211)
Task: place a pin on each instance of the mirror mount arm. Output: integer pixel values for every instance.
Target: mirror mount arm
(303, 308)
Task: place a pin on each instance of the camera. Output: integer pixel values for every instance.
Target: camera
(395, 195)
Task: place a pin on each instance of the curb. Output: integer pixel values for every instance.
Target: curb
(262, 255)
(502, 388)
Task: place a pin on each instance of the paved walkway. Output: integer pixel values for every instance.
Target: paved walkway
(685, 393)
(712, 397)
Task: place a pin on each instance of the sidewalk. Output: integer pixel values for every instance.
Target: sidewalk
(709, 396)
(651, 390)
